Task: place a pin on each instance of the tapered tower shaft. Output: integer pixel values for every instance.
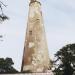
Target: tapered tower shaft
(35, 56)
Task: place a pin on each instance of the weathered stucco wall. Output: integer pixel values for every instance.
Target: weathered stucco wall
(36, 58)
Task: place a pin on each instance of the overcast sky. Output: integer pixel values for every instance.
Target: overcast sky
(59, 22)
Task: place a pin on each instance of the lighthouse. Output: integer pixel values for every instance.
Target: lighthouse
(35, 55)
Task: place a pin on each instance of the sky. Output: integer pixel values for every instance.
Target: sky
(59, 22)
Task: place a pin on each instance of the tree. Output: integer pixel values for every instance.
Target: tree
(66, 56)
(6, 66)
(2, 15)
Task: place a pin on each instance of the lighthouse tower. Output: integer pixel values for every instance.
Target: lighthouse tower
(35, 55)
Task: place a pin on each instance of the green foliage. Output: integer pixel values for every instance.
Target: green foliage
(6, 66)
(2, 16)
(66, 56)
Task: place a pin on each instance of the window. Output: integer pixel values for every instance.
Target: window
(30, 32)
